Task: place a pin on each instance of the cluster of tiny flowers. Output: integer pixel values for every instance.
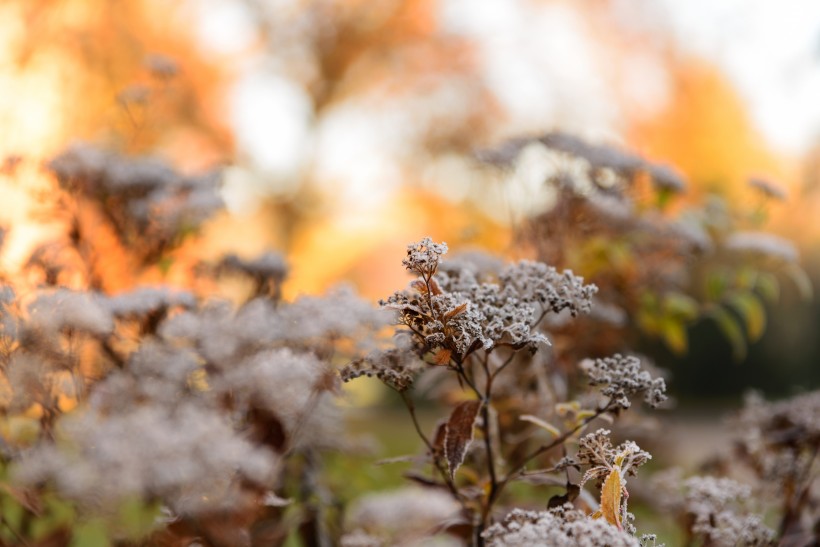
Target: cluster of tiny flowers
(558, 527)
(145, 301)
(453, 310)
(780, 438)
(268, 270)
(542, 285)
(63, 310)
(189, 456)
(622, 378)
(404, 517)
(710, 500)
(596, 451)
(397, 368)
(715, 509)
(139, 193)
(423, 257)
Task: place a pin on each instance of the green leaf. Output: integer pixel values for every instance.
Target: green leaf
(730, 328)
(716, 284)
(751, 309)
(768, 287)
(673, 332)
(745, 278)
(680, 306)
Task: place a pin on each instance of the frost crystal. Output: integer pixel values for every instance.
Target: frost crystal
(623, 378)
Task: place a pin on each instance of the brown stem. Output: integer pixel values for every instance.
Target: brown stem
(411, 408)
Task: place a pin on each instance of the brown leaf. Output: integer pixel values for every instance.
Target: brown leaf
(455, 312)
(459, 434)
(442, 356)
(419, 286)
(438, 438)
(434, 287)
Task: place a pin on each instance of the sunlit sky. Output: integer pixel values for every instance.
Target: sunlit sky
(546, 65)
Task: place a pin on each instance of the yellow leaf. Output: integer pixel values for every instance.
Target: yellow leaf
(611, 493)
(541, 423)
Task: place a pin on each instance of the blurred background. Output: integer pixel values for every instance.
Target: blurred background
(346, 129)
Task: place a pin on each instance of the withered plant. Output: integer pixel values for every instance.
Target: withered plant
(482, 328)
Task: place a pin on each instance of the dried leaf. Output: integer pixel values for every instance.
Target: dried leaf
(611, 493)
(458, 310)
(459, 434)
(442, 356)
(435, 289)
(439, 436)
(541, 423)
(419, 286)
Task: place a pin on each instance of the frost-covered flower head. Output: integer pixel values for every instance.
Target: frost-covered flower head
(190, 457)
(717, 508)
(609, 466)
(622, 378)
(423, 257)
(558, 527)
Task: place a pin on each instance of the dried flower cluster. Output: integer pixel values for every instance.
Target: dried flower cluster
(716, 509)
(474, 319)
(559, 527)
(455, 313)
(622, 378)
(144, 197)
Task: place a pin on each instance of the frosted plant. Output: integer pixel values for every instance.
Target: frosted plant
(307, 415)
(716, 508)
(405, 517)
(189, 456)
(146, 301)
(609, 466)
(622, 378)
(558, 527)
(63, 310)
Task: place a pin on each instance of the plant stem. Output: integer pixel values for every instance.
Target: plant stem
(411, 408)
